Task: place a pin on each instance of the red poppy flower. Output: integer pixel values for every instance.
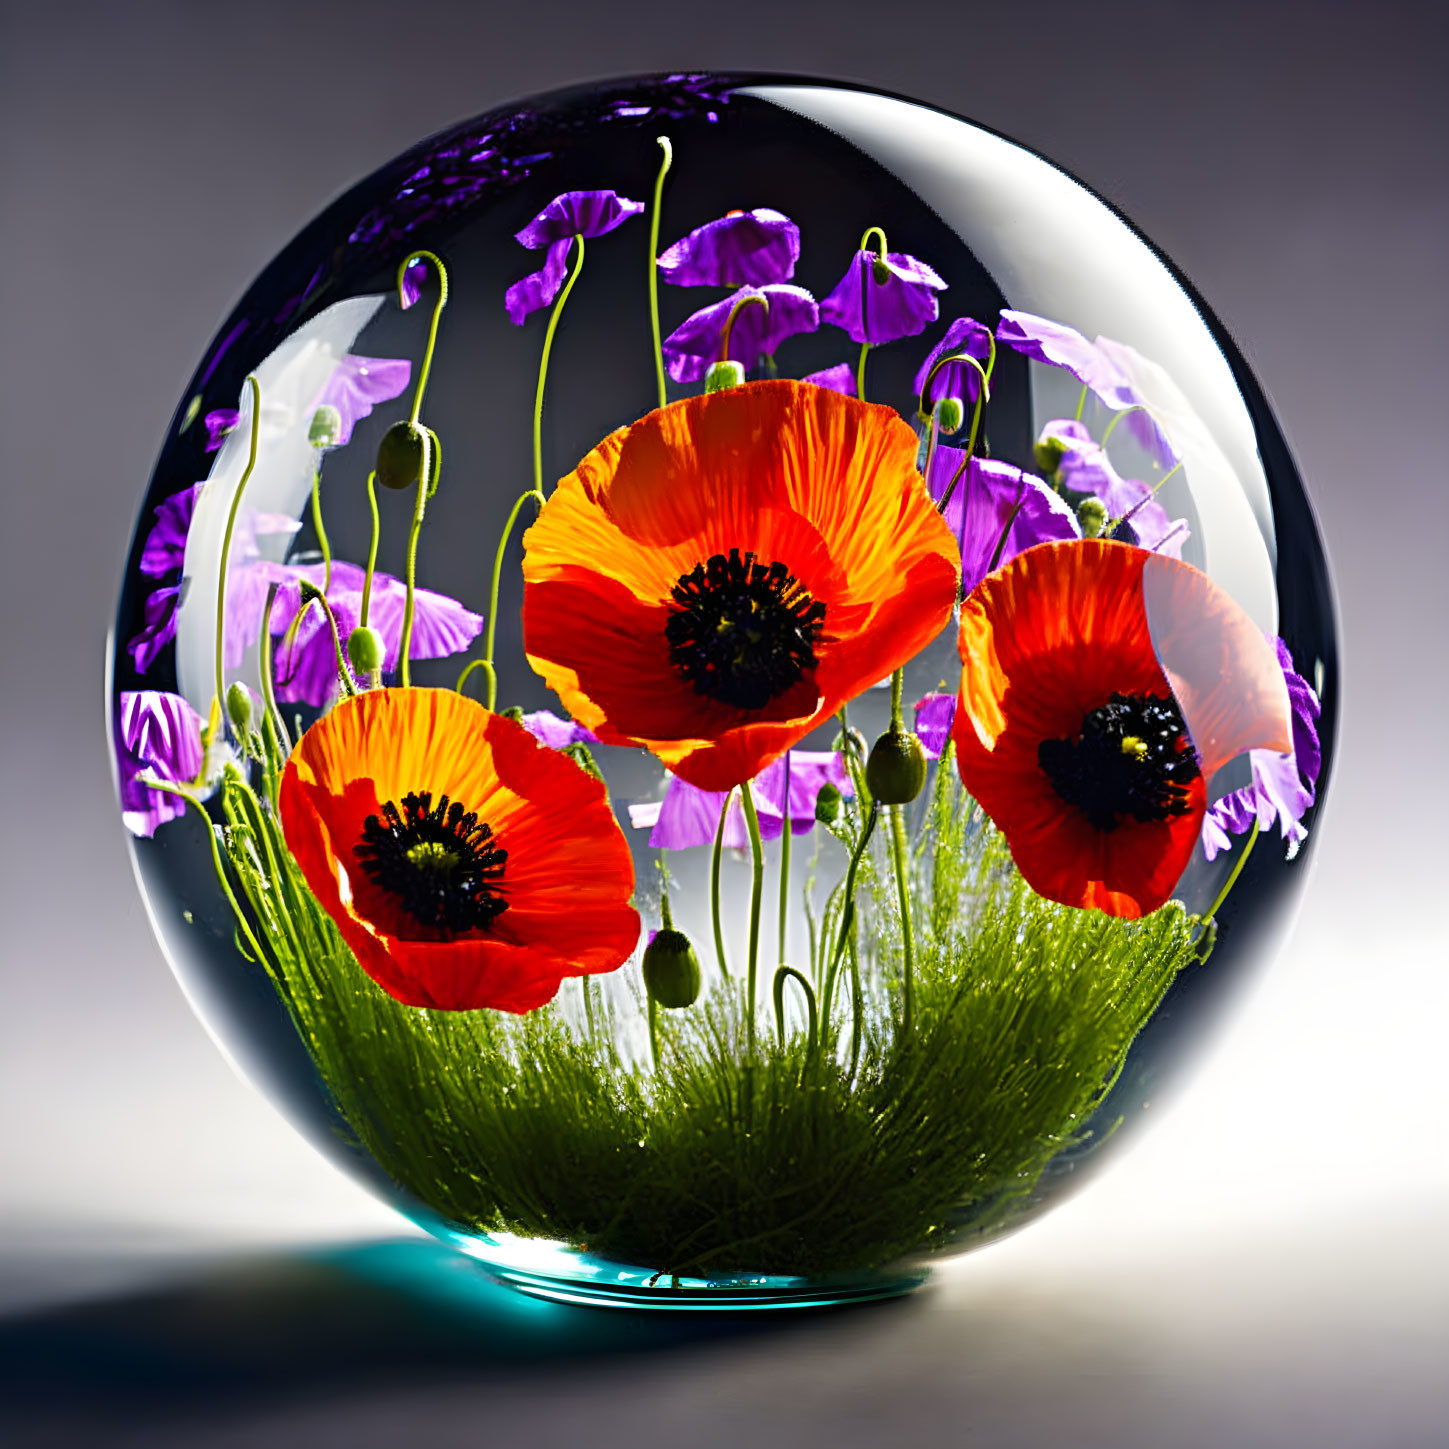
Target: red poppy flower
(720, 577)
(1101, 686)
(465, 864)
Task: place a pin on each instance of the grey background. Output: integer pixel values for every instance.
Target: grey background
(1266, 1267)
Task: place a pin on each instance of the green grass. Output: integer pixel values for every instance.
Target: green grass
(800, 1161)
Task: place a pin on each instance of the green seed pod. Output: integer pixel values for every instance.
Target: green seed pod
(1049, 454)
(827, 804)
(896, 769)
(950, 414)
(671, 970)
(880, 270)
(1092, 516)
(326, 428)
(514, 712)
(239, 706)
(722, 375)
(400, 456)
(366, 650)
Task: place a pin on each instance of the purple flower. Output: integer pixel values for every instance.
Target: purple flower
(577, 213)
(934, 716)
(218, 424)
(574, 213)
(160, 735)
(688, 816)
(306, 670)
(741, 249)
(1065, 347)
(877, 309)
(1085, 468)
(413, 277)
(165, 546)
(158, 628)
(548, 729)
(695, 343)
(1284, 786)
(992, 497)
(840, 378)
(955, 379)
(358, 384)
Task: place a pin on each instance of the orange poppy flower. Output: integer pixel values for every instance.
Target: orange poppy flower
(465, 864)
(1101, 686)
(720, 577)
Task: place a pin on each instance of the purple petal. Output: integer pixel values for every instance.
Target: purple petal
(695, 343)
(900, 306)
(554, 732)
(538, 289)
(159, 734)
(955, 379)
(159, 629)
(218, 424)
(934, 716)
(578, 213)
(1232, 815)
(165, 546)
(989, 497)
(742, 249)
(415, 274)
(840, 378)
(1064, 347)
(807, 772)
(1306, 709)
(358, 384)
(305, 664)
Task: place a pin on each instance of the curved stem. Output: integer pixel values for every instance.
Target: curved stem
(493, 586)
(1117, 418)
(785, 863)
(226, 544)
(425, 481)
(969, 453)
(860, 368)
(757, 851)
(983, 386)
(264, 660)
(310, 592)
(320, 531)
(468, 669)
(438, 306)
(664, 166)
(729, 327)
(847, 914)
(553, 317)
(371, 551)
(789, 973)
(1237, 870)
(898, 854)
(719, 945)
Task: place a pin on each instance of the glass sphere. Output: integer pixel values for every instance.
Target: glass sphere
(718, 678)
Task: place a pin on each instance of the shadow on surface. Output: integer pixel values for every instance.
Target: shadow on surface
(290, 1323)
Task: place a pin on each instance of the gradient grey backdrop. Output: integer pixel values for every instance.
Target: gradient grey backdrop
(1281, 1280)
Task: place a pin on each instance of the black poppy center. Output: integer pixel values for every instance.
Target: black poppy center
(440, 861)
(742, 632)
(1132, 757)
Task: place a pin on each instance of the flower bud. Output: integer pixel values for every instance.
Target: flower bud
(880, 270)
(514, 712)
(366, 650)
(722, 375)
(671, 970)
(1091, 516)
(827, 804)
(579, 753)
(1049, 454)
(239, 706)
(326, 429)
(400, 456)
(896, 769)
(950, 414)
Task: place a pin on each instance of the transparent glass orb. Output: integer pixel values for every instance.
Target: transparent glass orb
(710, 1129)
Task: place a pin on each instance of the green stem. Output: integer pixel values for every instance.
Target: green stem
(310, 592)
(729, 327)
(847, 914)
(226, 544)
(898, 854)
(898, 680)
(1081, 402)
(860, 364)
(1232, 880)
(468, 669)
(664, 166)
(371, 551)
(757, 883)
(653, 1032)
(490, 637)
(438, 306)
(320, 531)
(719, 944)
(789, 973)
(1117, 418)
(264, 661)
(553, 317)
(425, 487)
(785, 862)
